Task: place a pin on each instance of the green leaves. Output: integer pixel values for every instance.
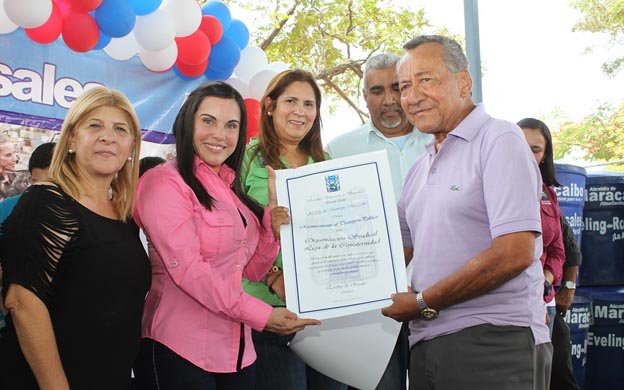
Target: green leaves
(332, 39)
(598, 137)
(607, 17)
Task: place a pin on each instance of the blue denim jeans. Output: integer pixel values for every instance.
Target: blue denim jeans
(552, 312)
(279, 368)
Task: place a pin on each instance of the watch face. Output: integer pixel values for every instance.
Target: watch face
(429, 313)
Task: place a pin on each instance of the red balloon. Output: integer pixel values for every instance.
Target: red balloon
(64, 6)
(212, 27)
(80, 31)
(193, 49)
(191, 70)
(84, 5)
(50, 30)
(253, 117)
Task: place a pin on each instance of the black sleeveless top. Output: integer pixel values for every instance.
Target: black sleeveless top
(91, 273)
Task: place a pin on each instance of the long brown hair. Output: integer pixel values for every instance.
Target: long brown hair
(270, 145)
(547, 166)
(183, 131)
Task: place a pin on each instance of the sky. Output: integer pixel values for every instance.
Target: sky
(533, 63)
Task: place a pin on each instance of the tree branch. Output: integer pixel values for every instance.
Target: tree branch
(344, 96)
(267, 42)
(354, 65)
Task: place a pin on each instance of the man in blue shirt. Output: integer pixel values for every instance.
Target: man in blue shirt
(388, 128)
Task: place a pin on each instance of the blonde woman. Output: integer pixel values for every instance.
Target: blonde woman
(75, 272)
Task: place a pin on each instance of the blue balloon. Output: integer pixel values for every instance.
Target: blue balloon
(239, 33)
(182, 76)
(145, 7)
(219, 11)
(216, 75)
(102, 42)
(224, 56)
(115, 18)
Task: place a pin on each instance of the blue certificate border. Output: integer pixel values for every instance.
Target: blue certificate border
(292, 232)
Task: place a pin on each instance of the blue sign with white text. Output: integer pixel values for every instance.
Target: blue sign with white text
(39, 82)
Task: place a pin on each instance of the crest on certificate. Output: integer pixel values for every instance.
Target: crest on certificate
(332, 183)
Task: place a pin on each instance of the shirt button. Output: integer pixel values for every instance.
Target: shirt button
(243, 242)
(238, 266)
(433, 170)
(174, 263)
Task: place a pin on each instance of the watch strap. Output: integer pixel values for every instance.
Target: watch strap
(426, 312)
(421, 301)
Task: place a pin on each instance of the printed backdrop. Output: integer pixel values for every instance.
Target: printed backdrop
(39, 82)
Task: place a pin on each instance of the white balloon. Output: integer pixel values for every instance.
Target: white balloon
(122, 48)
(6, 24)
(241, 86)
(159, 61)
(278, 66)
(259, 83)
(186, 15)
(28, 13)
(252, 60)
(155, 31)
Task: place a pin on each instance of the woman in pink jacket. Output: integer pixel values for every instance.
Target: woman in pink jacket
(204, 234)
(539, 139)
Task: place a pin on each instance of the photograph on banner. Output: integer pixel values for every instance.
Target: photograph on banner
(16, 144)
(342, 252)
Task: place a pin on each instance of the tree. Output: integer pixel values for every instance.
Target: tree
(604, 16)
(331, 39)
(598, 137)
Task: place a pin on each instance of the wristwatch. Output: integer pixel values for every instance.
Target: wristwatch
(570, 285)
(426, 312)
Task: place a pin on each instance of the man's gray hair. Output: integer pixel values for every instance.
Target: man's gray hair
(454, 57)
(379, 61)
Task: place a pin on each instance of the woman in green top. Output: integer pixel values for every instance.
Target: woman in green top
(289, 136)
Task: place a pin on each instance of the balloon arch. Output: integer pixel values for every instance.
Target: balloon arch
(167, 35)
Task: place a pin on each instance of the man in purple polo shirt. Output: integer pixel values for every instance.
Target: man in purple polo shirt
(470, 220)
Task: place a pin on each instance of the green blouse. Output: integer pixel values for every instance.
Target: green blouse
(254, 179)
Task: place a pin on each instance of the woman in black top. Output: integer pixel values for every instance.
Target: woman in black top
(75, 272)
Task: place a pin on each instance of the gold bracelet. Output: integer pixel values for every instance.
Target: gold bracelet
(273, 269)
(270, 286)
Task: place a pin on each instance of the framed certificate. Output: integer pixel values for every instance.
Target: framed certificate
(342, 253)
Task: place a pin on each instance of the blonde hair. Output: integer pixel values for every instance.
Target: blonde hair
(64, 170)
